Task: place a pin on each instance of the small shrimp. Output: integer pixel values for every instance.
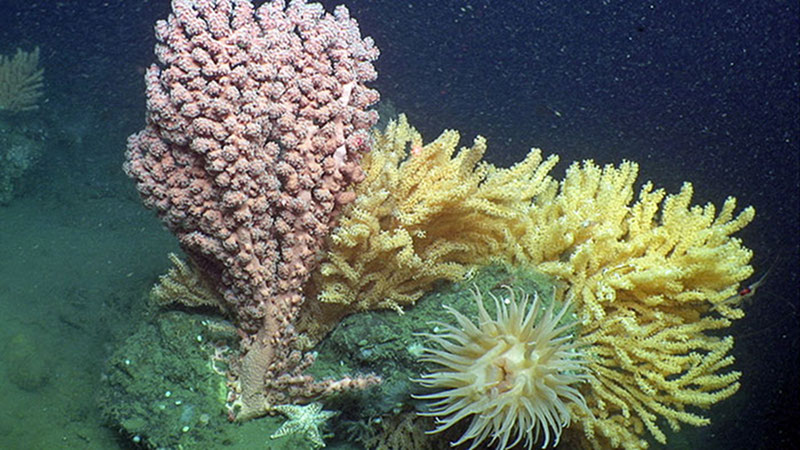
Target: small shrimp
(744, 293)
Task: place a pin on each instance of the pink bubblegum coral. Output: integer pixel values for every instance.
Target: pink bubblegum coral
(255, 124)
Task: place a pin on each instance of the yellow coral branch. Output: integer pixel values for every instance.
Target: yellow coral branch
(425, 213)
(184, 284)
(20, 81)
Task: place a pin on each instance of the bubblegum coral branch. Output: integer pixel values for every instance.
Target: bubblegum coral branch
(256, 120)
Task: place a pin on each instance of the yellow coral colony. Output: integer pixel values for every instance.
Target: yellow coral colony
(644, 283)
(643, 276)
(423, 215)
(20, 81)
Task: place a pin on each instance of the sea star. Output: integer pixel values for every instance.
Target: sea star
(303, 420)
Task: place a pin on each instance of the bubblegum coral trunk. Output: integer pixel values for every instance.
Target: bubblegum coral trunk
(256, 120)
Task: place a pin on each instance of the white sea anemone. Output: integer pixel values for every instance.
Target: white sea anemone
(515, 375)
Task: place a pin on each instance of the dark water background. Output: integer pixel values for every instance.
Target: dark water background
(703, 91)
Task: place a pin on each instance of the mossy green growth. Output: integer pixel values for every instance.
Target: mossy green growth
(159, 387)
